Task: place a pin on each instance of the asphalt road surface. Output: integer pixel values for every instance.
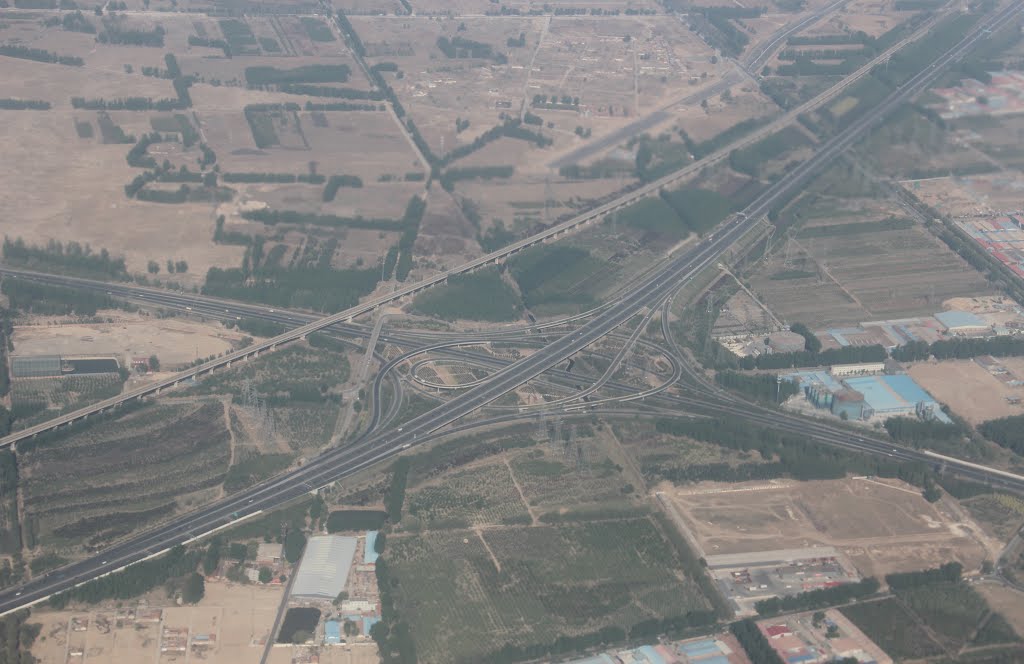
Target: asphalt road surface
(338, 463)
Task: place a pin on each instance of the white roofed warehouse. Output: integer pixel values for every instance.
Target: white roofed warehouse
(324, 567)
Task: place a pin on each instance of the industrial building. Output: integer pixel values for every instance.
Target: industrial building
(324, 567)
(332, 633)
(963, 323)
(862, 395)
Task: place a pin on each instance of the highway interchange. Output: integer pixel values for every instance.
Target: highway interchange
(378, 443)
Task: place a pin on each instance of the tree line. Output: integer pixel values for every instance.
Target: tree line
(273, 217)
(336, 182)
(754, 642)
(116, 34)
(343, 106)
(782, 454)
(266, 75)
(453, 175)
(69, 258)
(24, 105)
(281, 178)
(39, 55)
(818, 599)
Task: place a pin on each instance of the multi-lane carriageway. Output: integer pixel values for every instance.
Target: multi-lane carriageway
(550, 234)
(337, 463)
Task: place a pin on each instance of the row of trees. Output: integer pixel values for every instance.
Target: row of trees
(70, 258)
(24, 105)
(281, 178)
(336, 182)
(819, 599)
(266, 75)
(453, 175)
(343, 106)
(39, 55)
(783, 454)
(116, 33)
(273, 217)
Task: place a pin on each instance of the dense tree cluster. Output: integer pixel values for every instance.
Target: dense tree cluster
(16, 638)
(133, 581)
(70, 258)
(114, 33)
(460, 47)
(754, 642)
(948, 573)
(1006, 432)
(39, 55)
(762, 387)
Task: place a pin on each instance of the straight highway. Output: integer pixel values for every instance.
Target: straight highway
(337, 463)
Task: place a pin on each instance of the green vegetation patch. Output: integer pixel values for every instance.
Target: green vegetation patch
(752, 159)
(700, 209)
(10, 530)
(541, 583)
(317, 29)
(952, 610)
(892, 628)
(346, 520)
(254, 468)
(559, 275)
(266, 75)
(655, 217)
(481, 295)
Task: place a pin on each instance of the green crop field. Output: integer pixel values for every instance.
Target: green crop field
(483, 295)
(892, 628)
(102, 479)
(542, 582)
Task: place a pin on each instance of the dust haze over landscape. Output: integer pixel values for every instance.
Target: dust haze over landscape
(494, 331)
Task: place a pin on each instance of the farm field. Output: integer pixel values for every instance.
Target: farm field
(865, 265)
(454, 577)
(882, 526)
(38, 399)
